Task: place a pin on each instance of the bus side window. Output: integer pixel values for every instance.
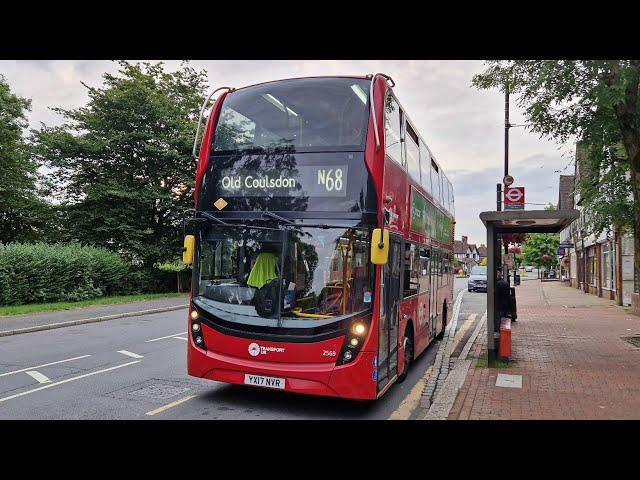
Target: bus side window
(392, 129)
(424, 270)
(411, 270)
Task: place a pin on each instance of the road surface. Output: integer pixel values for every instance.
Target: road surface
(135, 368)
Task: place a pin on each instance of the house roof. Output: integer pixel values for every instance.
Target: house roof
(482, 251)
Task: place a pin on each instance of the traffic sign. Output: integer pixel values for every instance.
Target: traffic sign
(561, 252)
(507, 180)
(566, 245)
(514, 198)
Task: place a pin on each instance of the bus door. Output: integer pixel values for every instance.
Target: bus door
(389, 314)
(433, 298)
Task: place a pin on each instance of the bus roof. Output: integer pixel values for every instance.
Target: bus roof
(360, 77)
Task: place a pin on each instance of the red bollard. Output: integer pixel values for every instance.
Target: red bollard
(505, 338)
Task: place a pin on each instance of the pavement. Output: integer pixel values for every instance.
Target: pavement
(135, 368)
(572, 359)
(33, 321)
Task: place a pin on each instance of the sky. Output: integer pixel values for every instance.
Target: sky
(463, 127)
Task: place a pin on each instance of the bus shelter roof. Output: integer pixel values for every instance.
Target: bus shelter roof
(529, 221)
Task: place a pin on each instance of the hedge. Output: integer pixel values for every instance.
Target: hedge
(33, 273)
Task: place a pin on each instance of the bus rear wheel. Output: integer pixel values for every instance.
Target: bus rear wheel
(408, 352)
(440, 336)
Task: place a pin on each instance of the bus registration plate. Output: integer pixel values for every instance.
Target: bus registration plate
(260, 381)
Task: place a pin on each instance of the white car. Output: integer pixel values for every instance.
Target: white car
(528, 268)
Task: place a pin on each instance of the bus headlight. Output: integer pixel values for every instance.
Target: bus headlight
(358, 328)
(196, 329)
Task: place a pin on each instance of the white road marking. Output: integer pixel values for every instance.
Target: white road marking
(43, 365)
(130, 354)
(171, 405)
(67, 381)
(38, 376)
(180, 338)
(168, 336)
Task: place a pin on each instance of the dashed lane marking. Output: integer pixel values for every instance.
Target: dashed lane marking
(38, 376)
(168, 336)
(180, 338)
(170, 405)
(130, 354)
(43, 365)
(67, 381)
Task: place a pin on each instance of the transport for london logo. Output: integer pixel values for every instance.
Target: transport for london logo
(255, 349)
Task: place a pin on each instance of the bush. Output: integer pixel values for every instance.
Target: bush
(33, 273)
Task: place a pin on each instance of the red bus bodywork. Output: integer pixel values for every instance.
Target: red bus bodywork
(306, 366)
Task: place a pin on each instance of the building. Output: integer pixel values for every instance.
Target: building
(599, 264)
(466, 253)
(482, 252)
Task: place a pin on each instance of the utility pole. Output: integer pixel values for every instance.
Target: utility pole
(506, 130)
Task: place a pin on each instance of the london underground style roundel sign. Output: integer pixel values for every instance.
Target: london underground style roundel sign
(514, 198)
(507, 180)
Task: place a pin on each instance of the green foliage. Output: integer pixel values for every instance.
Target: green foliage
(123, 163)
(57, 306)
(22, 213)
(32, 273)
(597, 102)
(172, 267)
(538, 245)
(484, 262)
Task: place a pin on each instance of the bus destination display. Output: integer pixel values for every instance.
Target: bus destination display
(312, 181)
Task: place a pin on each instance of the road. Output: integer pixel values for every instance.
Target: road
(135, 368)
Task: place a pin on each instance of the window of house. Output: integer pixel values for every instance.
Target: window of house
(593, 273)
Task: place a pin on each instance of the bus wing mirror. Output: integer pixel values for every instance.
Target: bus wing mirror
(188, 249)
(380, 246)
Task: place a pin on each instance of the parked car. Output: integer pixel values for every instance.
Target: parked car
(477, 279)
(528, 268)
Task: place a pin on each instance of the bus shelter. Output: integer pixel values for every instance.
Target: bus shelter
(514, 221)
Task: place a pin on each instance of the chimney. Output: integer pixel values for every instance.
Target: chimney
(464, 239)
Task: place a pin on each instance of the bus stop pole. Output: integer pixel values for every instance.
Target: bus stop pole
(491, 282)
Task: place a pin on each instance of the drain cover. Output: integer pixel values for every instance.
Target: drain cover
(159, 391)
(633, 340)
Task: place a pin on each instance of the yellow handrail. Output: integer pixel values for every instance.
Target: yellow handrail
(298, 313)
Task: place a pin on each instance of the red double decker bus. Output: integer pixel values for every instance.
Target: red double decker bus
(321, 242)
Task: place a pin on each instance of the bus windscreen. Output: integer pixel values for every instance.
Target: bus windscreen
(302, 115)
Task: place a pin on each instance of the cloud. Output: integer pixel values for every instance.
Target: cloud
(464, 127)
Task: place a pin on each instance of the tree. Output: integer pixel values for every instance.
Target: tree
(484, 262)
(123, 164)
(598, 102)
(21, 210)
(540, 249)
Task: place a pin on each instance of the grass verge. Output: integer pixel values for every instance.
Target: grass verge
(56, 306)
(483, 362)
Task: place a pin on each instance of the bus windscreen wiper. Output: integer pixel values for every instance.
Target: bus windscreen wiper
(267, 213)
(208, 216)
